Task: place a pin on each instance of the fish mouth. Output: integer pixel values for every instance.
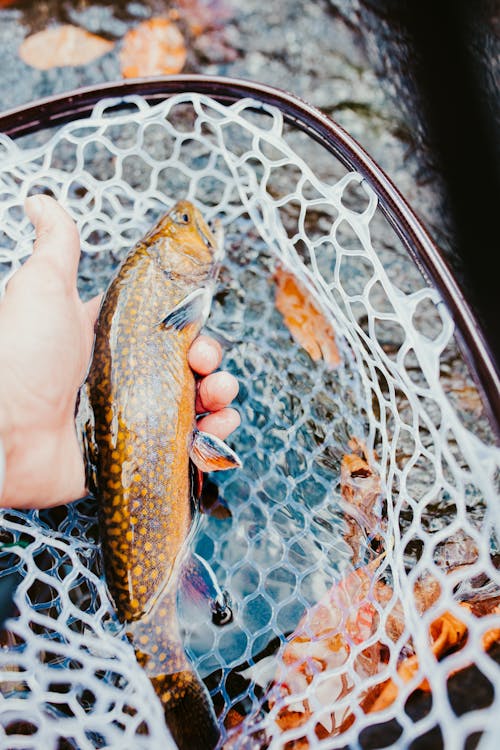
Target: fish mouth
(214, 241)
(218, 233)
(204, 236)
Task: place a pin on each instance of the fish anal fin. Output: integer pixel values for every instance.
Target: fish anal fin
(209, 453)
(188, 710)
(191, 310)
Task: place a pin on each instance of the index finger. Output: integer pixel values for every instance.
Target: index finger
(205, 355)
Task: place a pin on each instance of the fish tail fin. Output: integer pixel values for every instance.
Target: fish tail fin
(188, 710)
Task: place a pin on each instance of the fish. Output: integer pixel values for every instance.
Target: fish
(145, 453)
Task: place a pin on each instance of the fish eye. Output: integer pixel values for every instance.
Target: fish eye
(181, 218)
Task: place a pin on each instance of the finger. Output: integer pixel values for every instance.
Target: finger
(216, 391)
(205, 355)
(56, 234)
(92, 307)
(220, 423)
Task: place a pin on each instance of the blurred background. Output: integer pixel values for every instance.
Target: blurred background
(416, 83)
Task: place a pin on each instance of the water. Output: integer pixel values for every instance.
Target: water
(297, 417)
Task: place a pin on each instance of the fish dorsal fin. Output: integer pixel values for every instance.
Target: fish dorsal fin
(194, 308)
(209, 453)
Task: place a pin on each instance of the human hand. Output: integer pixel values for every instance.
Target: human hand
(46, 339)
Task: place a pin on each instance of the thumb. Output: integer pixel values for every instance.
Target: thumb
(56, 234)
(92, 307)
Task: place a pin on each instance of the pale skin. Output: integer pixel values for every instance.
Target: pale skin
(46, 338)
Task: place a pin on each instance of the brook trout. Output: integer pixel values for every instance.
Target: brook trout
(142, 393)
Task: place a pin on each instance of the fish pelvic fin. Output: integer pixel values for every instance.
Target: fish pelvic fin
(211, 502)
(188, 710)
(192, 310)
(207, 496)
(199, 584)
(209, 453)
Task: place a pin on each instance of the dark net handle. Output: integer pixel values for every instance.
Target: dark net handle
(57, 110)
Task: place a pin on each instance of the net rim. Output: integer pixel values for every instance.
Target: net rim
(78, 103)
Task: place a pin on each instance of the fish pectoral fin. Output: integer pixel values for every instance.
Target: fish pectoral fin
(209, 453)
(194, 308)
(85, 424)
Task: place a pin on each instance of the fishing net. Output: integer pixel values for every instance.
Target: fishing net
(360, 550)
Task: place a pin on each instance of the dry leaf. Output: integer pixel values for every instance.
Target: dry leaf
(305, 321)
(347, 614)
(201, 15)
(317, 656)
(321, 643)
(154, 47)
(58, 46)
(446, 633)
(360, 484)
(360, 488)
(233, 719)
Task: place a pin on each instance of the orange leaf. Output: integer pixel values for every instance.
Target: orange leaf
(201, 15)
(359, 483)
(305, 321)
(445, 633)
(154, 47)
(316, 652)
(322, 643)
(233, 719)
(63, 45)
(345, 615)
(490, 638)
(360, 487)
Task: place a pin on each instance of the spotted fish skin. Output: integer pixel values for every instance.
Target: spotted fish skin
(142, 393)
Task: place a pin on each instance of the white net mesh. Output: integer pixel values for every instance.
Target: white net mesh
(69, 678)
